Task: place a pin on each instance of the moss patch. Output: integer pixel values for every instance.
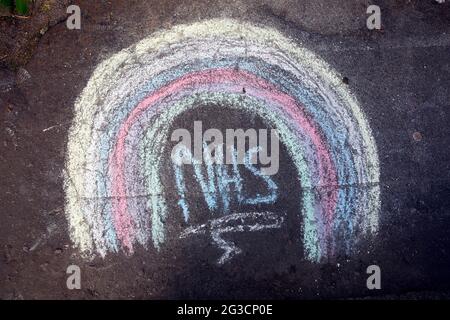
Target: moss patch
(20, 7)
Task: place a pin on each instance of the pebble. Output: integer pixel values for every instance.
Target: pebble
(417, 136)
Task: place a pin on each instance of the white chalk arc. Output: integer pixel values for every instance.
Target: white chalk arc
(149, 84)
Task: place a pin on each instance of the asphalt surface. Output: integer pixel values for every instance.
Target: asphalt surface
(399, 74)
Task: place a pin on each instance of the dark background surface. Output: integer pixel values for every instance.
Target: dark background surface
(400, 75)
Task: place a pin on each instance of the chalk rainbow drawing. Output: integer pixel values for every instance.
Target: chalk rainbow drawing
(114, 193)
